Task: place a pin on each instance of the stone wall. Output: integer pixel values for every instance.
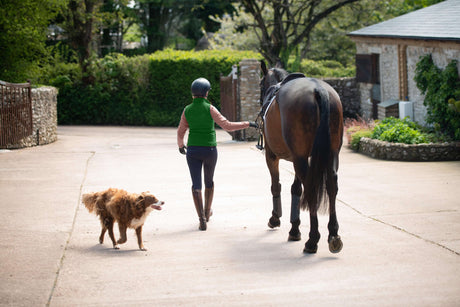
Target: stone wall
(44, 117)
(348, 90)
(409, 152)
(365, 99)
(249, 94)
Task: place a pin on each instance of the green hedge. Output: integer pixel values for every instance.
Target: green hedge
(322, 69)
(143, 90)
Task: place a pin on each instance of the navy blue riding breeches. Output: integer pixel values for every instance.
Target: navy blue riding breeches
(201, 158)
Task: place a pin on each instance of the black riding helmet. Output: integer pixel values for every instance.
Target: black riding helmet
(200, 87)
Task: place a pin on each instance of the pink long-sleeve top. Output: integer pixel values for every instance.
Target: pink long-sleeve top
(217, 117)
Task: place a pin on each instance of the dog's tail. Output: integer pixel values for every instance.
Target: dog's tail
(89, 200)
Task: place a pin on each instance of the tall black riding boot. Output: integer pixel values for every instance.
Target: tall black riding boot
(208, 195)
(198, 200)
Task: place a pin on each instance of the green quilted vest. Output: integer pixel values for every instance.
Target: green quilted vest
(201, 124)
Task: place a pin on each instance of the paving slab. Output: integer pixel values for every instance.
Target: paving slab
(399, 222)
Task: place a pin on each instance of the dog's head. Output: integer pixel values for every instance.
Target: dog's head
(145, 200)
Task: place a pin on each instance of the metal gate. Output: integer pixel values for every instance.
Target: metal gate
(229, 99)
(15, 112)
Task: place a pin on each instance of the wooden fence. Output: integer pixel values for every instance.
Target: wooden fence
(15, 112)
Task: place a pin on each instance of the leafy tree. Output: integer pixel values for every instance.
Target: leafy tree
(156, 18)
(328, 39)
(160, 19)
(404, 7)
(115, 18)
(79, 21)
(289, 23)
(234, 32)
(23, 26)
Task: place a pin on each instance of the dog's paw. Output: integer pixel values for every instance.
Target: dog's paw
(142, 247)
(116, 247)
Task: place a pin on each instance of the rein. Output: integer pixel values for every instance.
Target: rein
(260, 120)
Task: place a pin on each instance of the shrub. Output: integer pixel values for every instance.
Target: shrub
(440, 87)
(143, 90)
(118, 95)
(323, 69)
(390, 129)
(398, 131)
(356, 138)
(355, 129)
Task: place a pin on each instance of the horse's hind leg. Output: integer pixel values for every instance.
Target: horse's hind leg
(273, 167)
(311, 246)
(296, 193)
(334, 240)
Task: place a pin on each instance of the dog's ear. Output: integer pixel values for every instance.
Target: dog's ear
(140, 203)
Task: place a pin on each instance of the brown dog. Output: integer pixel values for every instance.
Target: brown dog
(127, 209)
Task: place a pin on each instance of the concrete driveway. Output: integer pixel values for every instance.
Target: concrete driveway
(399, 221)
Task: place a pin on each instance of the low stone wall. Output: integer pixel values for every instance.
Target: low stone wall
(44, 118)
(408, 152)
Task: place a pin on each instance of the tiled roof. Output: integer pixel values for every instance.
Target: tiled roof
(437, 22)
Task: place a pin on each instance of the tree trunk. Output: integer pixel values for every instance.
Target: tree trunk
(156, 27)
(80, 33)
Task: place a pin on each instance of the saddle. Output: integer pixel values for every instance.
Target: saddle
(272, 92)
(274, 89)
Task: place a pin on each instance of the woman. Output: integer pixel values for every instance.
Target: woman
(199, 117)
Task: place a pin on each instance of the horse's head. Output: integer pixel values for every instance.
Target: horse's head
(270, 77)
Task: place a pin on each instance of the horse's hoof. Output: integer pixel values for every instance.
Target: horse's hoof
(313, 250)
(274, 222)
(335, 244)
(295, 237)
(203, 225)
(273, 226)
(310, 248)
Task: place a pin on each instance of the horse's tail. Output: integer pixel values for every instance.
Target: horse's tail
(315, 195)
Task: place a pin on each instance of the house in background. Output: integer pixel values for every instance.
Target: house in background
(387, 54)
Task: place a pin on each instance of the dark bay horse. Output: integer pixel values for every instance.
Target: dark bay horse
(303, 125)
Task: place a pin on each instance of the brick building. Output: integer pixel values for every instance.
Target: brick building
(387, 54)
